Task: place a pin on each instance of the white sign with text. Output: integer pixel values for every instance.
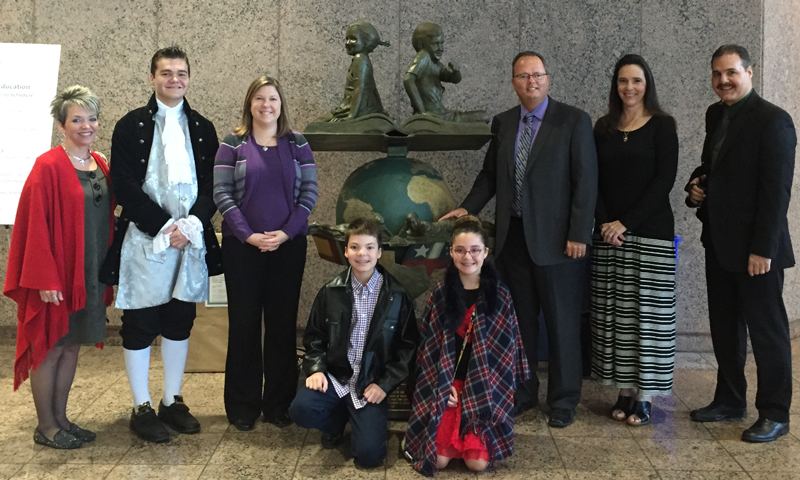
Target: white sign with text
(28, 83)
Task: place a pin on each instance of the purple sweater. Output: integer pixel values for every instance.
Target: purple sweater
(258, 191)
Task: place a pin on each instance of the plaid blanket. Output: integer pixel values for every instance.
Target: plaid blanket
(497, 364)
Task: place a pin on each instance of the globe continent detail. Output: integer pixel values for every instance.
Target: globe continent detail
(393, 187)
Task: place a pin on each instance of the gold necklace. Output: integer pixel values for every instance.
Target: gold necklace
(80, 160)
(625, 135)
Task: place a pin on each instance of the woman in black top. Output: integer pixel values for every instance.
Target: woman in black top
(633, 263)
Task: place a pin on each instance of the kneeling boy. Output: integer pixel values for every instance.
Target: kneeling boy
(360, 342)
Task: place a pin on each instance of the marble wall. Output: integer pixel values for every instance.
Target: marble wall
(107, 45)
(782, 86)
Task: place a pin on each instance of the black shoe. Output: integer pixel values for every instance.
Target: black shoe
(765, 430)
(81, 434)
(717, 412)
(561, 417)
(626, 405)
(280, 420)
(61, 440)
(641, 411)
(177, 416)
(519, 409)
(329, 442)
(146, 425)
(242, 425)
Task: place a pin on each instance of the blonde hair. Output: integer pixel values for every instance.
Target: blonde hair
(75, 95)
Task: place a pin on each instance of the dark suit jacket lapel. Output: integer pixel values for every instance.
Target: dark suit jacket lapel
(508, 141)
(736, 126)
(545, 128)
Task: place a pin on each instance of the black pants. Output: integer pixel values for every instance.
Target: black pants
(172, 320)
(262, 288)
(737, 303)
(557, 290)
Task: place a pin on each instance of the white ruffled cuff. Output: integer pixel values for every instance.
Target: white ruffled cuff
(161, 240)
(192, 228)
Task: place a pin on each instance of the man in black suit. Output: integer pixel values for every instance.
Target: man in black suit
(542, 167)
(743, 188)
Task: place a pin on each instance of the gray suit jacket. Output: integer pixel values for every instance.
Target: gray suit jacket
(560, 189)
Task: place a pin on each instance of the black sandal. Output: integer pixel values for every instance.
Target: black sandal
(624, 405)
(640, 413)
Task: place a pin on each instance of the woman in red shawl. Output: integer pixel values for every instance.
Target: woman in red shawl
(62, 230)
(468, 365)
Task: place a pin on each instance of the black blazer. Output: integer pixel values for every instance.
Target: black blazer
(749, 186)
(560, 189)
(130, 153)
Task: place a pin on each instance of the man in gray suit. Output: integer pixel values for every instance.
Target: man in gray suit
(542, 166)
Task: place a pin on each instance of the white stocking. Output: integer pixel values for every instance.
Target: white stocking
(174, 355)
(137, 364)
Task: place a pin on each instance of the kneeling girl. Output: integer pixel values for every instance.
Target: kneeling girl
(469, 363)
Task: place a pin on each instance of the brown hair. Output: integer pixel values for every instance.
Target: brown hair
(246, 124)
(468, 224)
(526, 53)
(173, 51)
(364, 226)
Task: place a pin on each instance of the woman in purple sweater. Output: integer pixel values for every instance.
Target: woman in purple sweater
(265, 186)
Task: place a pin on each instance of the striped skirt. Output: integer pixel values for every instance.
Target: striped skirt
(633, 314)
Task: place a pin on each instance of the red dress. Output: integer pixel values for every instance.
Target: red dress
(448, 442)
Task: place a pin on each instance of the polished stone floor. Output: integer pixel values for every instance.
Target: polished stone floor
(595, 447)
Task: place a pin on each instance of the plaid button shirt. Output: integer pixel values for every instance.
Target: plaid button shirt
(365, 297)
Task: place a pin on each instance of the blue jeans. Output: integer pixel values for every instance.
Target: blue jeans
(329, 414)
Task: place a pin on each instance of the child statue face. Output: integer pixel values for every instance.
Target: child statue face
(352, 42)
(435, 45)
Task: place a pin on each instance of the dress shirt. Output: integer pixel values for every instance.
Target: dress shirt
(365, 297)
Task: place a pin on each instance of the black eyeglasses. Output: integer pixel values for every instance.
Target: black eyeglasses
(527, 76)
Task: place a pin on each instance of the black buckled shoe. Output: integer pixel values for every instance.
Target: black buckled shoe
(717, 413)
(765, 430)
(177, 416)
(561, 418)
(146, 425)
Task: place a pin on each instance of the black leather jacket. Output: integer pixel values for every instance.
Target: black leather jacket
(130, 153)
(391, 344)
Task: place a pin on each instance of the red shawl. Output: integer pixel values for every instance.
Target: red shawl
(47, 253)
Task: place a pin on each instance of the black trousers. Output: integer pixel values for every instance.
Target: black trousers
(557, 291)
(172, 320)
(263, 290)
(737, 303)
